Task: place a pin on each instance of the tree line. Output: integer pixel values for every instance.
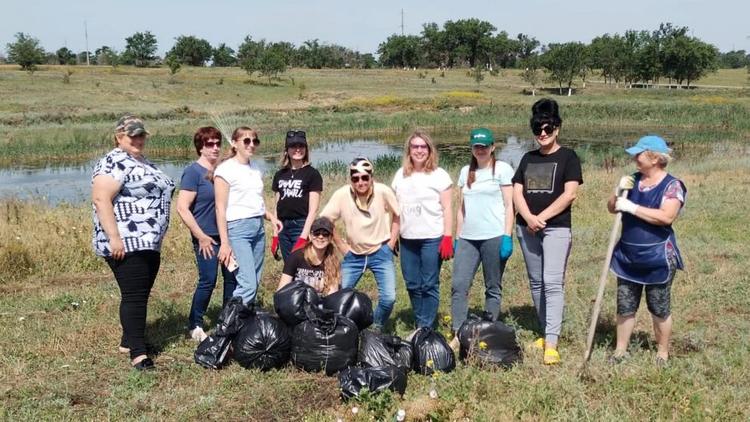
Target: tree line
(645, 57)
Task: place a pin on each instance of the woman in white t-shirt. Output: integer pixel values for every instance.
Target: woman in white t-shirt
(484, 224)
(238, 185)
(424, 195)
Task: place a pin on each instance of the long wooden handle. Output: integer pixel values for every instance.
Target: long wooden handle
(602, 283)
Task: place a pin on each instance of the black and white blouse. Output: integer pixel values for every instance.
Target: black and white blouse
(141, 206)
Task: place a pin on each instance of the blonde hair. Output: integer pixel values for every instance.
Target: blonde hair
(232, 149)
(331, 264)
(661, 158)
(432, 159)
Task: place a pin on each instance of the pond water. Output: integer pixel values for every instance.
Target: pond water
(70, 183)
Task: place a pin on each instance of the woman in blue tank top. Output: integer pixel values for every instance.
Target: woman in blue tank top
(647, 255)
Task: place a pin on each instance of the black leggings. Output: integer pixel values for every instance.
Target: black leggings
(135, 275)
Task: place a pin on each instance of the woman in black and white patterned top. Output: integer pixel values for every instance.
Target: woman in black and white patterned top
(131, 199)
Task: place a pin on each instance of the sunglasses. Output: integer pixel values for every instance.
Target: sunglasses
(295, 133)
(419, 146)
(209, 144)
(537, 130)
(321, 233)
(255, 141)
(364, 178)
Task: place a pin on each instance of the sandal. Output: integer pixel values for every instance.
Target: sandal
(551, 356)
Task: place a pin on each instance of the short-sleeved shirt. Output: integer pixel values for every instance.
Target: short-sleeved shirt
(419, 198)
(294, 187)
(141, 206)
(245, 189)
(543, 178)
(484, 207)
(203, 207)
(365, 231)
(299, 269)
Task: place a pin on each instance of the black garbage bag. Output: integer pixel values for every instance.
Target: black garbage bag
(383, 350)
(352, 304)
(213, 352)
(231, 317)
(290, 302)
(489, 341)
(324, 342)
(264, 342)
(432, 352)
(353, 380)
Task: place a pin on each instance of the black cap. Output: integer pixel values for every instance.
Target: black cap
(321, 223)
(295, 137)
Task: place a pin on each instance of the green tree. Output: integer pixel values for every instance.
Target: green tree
(434, 45)
(564, 62)
(689, 58)
(107, 56)
(734, 59)
(401, 51)
(249, 52)
(140, 49)
(609, 54)
(531, 74)
(191, 50)
(224, 56)
(26, 52)
(173, 63)
(525, 45)
(473, 38)
(271, 63)
(65, 56)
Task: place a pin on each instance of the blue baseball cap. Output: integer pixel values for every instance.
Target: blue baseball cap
(649, 143)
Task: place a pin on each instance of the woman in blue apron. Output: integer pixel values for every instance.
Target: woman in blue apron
(647, 254)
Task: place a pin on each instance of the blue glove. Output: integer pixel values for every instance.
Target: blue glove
(506, 247)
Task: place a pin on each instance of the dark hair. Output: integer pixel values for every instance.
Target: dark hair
(205, 134)
(545, 111)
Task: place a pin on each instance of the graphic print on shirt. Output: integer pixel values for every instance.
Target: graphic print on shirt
(290, 188)
(309, 276)
(540, 177)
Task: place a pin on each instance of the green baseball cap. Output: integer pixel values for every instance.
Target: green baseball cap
(481, 136)
(131, 125)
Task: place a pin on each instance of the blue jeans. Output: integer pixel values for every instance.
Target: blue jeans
(380, 263)
(469, 253)
(420, 266)
(248, 240)
(289, 235)
(207, 273)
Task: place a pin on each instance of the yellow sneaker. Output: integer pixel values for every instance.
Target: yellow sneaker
(551, 356)
(538, 344)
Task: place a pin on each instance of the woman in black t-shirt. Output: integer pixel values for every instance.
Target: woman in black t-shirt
(316, 263)
(544, 187)
(297, 186)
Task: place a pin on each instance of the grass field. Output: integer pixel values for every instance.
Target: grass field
(58, 302)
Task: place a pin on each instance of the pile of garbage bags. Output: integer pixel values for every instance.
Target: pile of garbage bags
(330, 335)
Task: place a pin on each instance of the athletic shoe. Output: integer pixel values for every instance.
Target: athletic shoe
(551, 356)
(538, 344)
(198, 334)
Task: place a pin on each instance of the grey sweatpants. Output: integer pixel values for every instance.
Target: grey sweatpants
(469, 253)
(546, 254)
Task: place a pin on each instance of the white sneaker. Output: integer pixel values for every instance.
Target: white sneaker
(198, 334)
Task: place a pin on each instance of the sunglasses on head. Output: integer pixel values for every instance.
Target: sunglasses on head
(255, 141)
(209, 144)
(364, 178)
(295, 133)
(321, 233)
(537, 129)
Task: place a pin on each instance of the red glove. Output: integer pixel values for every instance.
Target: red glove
(275, 247)
(446, 248)
(301, 242)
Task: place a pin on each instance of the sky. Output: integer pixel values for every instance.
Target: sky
(355, 24)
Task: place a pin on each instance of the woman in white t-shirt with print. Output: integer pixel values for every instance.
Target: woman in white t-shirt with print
(424, 195)
(238, 185)
(484, 224)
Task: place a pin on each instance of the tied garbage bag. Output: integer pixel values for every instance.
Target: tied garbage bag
(290, 302)
(383, 350)
(375, 379)
(431, 352)
(352, 304)
(489, 341)
(324, 342)
(264, 342)
(214, 350)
